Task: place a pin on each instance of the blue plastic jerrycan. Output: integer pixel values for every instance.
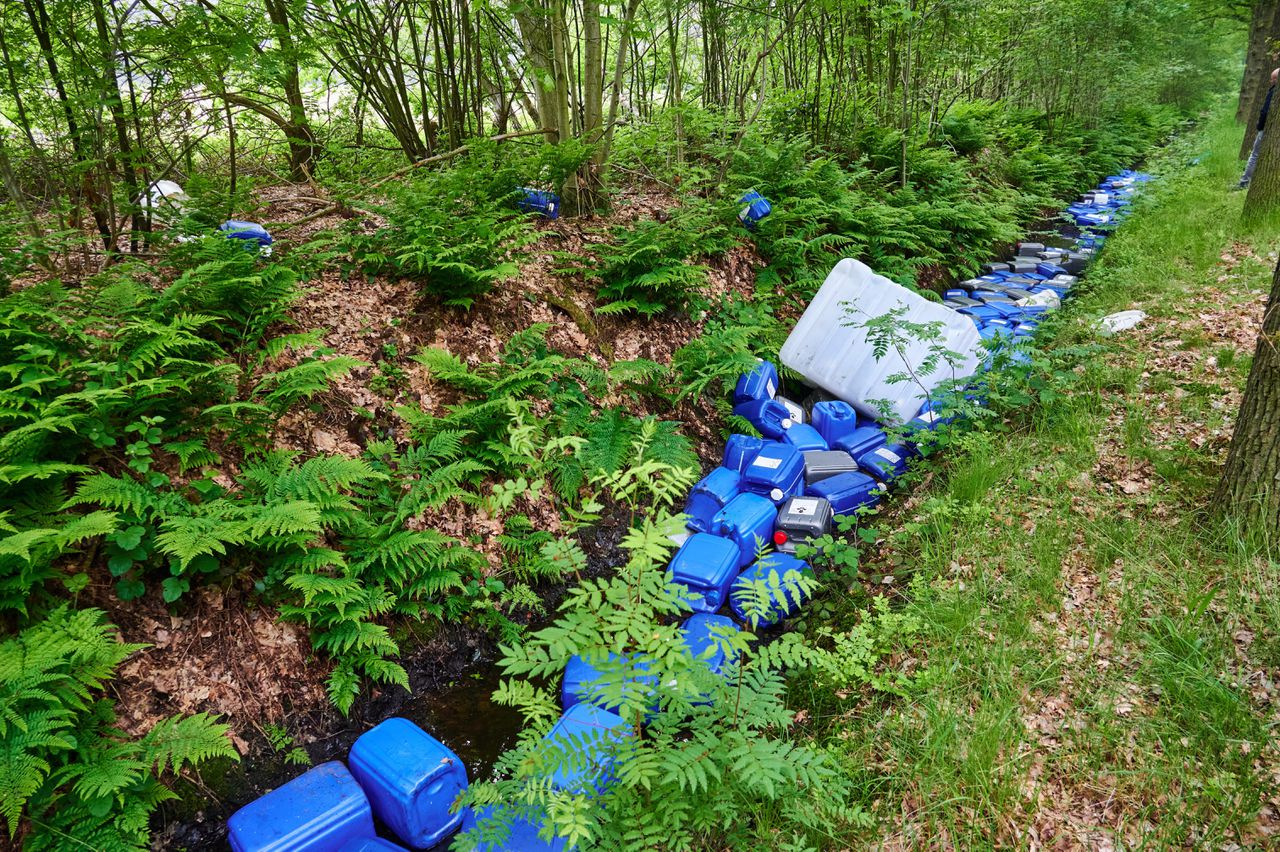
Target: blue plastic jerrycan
(545, 204)
(711, 494)
(588, 738)
(777, 472)
(747, 521)
(780, 572)
(253, 234)
(412, 780)
(834, 419)
(740, 450)
(323, 808)
(759, 383)
(804, 437)
(511, 829)
(580, 675)
(847, 492)
(769, 416)
(705, 565)
(753, 208)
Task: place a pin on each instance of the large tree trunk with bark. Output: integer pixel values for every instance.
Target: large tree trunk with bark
(1250, 486)
(1255, 58)
(1257, 84)
(1264, 188)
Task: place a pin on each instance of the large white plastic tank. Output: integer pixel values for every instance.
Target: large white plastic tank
(829, 349)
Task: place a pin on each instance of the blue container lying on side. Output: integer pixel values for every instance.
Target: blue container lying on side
(371, 844)
(755, 207)
(760, 382)
(252, 233)
(834, 419)
(540, 201)
(748, 522)
(580, 676)
(981, 314)
(862, 440)
(950, 294)
(848, 492)
(1050, 269)
(887, 463)
(804, 437)
(699, 632)
(769, 416)
(739, 450)
(711, 494)
(517, 833)
(411, 780)
(588, 737)
(928, 418)
(777, 472)
(705, 565)
(780, 573)
(322, 809)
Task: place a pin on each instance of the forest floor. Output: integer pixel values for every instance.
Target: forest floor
(1102, 661)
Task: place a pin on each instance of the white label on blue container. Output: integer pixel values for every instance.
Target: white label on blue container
(766, 461)
(773, 390)
(928, 416)
(807, 506)
(888, 455)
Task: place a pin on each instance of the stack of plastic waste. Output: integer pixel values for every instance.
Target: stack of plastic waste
(836, 454)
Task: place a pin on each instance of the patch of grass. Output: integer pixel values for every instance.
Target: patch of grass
(1089, 642)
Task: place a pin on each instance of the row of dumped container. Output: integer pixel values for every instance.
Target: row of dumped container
(746, 519)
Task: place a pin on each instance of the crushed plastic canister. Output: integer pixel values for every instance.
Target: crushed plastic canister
(748, 522)
(760, 382)
(705, 565)
(769, 416)
(864, 439)
(823, 464)
(411, 778)
(580, 676)
(801, 520)
(777, 472)
(834, 419)
(700, 632)
(739, 450)
(753, 208)
(511, 830)
(323, 808)
(804, 437)
(848, 492)
(711, 494)
(776, 576)
(588, 738)
(886, 463)
(545, 204)
(1020, 265)
(254, 235)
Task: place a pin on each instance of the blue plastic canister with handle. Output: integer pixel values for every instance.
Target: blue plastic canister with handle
(847, 492)
(546, 204)
(711, 494)
(412, 780)
(834, 419)
(777, 472)
(769, 416)
(780, 573)
(803, 437)
(748, 522)
(739, 450)
(705, 565)
(759, 383)
(754, 207)
(322, 809)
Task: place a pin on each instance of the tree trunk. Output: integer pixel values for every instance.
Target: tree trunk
(1263, 13)
(1250, 486)
(303, 147)
(1261, 79)
(1264, 188)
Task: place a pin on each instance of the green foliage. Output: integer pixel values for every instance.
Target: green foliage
(452, 232)
(715, 766)
(651, 267)
(66, 769)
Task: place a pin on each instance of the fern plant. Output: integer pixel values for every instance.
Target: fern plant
(66, 771)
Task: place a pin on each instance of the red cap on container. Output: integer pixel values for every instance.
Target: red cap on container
(779, 537)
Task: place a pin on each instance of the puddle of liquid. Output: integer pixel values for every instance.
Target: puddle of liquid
(465, 718)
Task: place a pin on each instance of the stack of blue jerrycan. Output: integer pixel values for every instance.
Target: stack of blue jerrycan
(401, 778)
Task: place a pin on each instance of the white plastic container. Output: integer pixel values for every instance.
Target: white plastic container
(829, 349)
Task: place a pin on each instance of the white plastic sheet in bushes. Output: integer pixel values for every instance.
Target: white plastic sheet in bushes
(829, 349)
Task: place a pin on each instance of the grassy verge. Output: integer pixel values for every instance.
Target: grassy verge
(1101, 657)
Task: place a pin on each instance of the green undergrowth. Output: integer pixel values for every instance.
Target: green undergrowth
(1091, 635)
